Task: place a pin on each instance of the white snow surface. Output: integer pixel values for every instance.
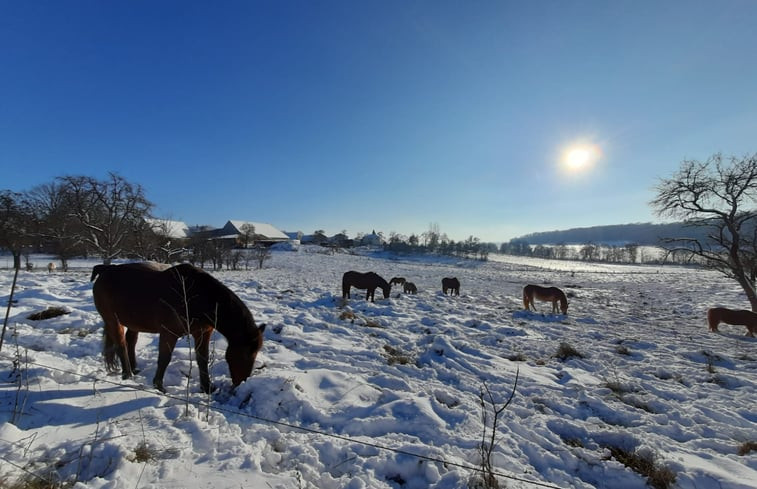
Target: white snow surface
(389, 398)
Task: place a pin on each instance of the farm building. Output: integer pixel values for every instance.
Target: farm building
(248, 233)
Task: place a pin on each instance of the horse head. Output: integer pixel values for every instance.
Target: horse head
(387, 289)
(241, 357)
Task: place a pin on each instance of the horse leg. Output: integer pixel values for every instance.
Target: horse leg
(114, 345)
(131, 343)
(202, 342)
(122, 351)
(167, 343)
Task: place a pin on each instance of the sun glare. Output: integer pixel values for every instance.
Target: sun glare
(580, 157)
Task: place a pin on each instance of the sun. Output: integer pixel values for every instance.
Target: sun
(580, 157)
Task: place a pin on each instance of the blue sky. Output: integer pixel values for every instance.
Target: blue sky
(391, 115)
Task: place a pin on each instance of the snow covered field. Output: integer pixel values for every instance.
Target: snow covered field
(375, 384)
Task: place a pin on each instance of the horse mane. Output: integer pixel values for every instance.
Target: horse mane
(229, 304)
(97, 270)
(382, 283)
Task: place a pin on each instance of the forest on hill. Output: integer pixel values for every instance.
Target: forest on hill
(646, 234)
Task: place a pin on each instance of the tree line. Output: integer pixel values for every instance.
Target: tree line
(76, 216)
(434, 241)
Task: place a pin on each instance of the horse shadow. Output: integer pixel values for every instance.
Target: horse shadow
(54, 408)
(538, 316)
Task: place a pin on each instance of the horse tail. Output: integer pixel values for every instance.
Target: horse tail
(96, 270)
(109, 351)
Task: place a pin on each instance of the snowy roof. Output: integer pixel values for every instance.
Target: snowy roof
(172, 229)
(261, 229)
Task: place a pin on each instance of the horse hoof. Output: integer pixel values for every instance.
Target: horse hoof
(159, 387)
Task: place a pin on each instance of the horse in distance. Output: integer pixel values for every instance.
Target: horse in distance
(547, 294)
(173, 302)
(451, 284)
(410, 288)
(397, 281)
(717, 315)
(368, 281)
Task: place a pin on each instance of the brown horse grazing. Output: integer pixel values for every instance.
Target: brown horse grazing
(50, 267)
(397, 281)
(549, 294)
(368, 281)
(718, 315)
(410, 288)
(451, 284)
(172, 301)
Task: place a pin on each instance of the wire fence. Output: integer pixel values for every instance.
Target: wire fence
(207, 405)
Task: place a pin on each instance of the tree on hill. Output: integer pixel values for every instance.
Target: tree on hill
(717, 195)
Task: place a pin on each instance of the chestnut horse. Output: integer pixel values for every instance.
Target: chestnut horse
(368, 281)
(718, 315)
(549, 294)
(172, 301)
(451, 284)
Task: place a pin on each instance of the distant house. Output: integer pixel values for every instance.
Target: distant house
(169, 229)
(372, 239)
(247, 233)
(294, 235)
(341, 240)
(317, 238)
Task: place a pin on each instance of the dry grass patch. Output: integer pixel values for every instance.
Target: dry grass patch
(747, 447)
(394, 356)
(49, 480)
(49, 313)
(645, 464)
(347, 315)
(566, 351)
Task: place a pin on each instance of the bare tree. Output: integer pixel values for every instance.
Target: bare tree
(52, 205)
(719, 196)
(16, 224)
(261, 254)
(109, 211)
(432, 236)
(589, 252)
(246, 235)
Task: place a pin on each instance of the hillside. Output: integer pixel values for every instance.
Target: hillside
(639, 233)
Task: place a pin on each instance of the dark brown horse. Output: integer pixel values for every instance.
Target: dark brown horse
(172, 301)
(369, 281)
(452, 285)
(549, 294)
(410, 288)
(397, 281)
